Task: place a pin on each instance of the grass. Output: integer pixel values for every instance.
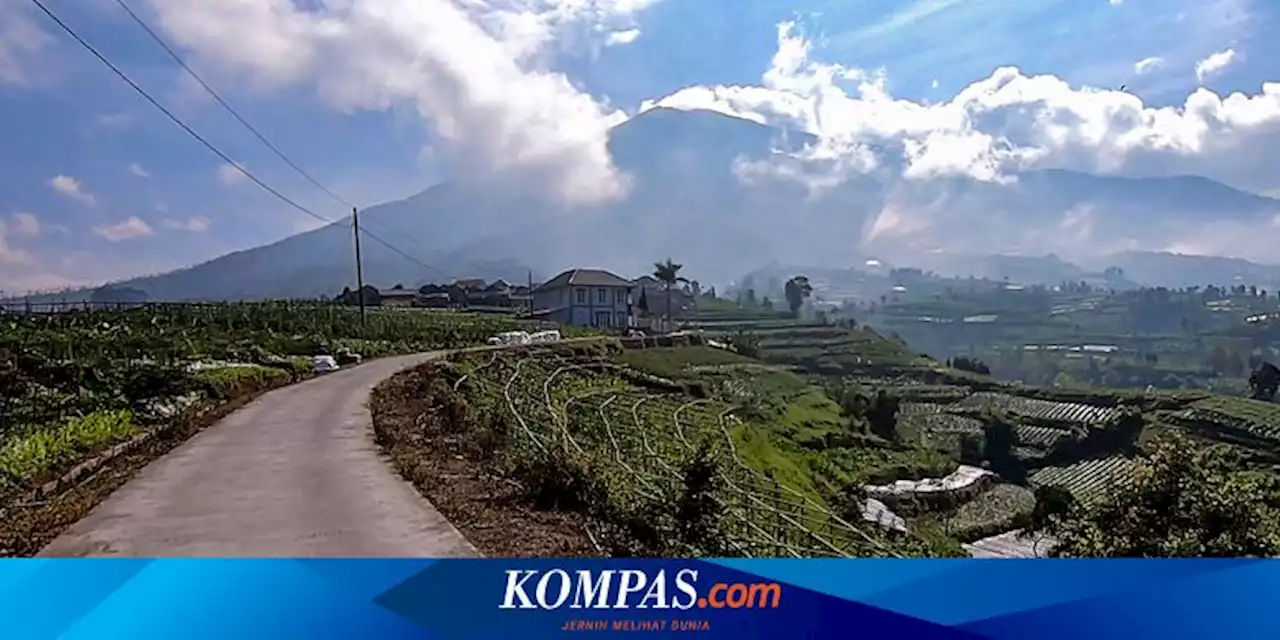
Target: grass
(675, 362)
(33, 456)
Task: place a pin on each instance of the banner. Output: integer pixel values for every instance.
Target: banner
(553, 598)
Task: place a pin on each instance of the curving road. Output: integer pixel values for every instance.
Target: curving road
(294, 473)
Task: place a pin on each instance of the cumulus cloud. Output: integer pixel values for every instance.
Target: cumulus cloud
(137, 170)
(127, 229)
(194, 224)
(71, 188)
(1215, 63)
(1147, 65)
(230, 174)
(477, 71)
(1002, 124)
(623, 37)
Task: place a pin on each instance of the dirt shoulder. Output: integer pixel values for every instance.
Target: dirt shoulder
(470, 488)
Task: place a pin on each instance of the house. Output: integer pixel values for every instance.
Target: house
(398, 297)
(655, 293)
(585, 297)
(470, 284)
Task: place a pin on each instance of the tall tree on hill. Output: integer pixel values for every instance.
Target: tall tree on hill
(797, 289)
(1265, 381)
(668, 273)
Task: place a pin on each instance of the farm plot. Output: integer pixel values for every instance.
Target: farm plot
(1252, 418)
(1087, 480)
(641, 438)
(1041, 409)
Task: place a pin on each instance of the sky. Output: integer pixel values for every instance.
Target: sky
(378, 99)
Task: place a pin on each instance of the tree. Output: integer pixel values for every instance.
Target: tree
(643, 303)
(1183, 500)
(1265, 381)
(668, 273)
(766, 304)
(796, 290)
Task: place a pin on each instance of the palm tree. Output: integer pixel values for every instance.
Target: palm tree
(668, 273)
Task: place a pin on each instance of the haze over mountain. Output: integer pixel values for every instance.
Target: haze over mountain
(692, 198)
(726, 134)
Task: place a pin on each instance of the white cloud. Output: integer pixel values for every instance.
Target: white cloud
(626, 36)
(114, 121)
(1115, 2)
(1215, 63)
(137, 170)
(476, 70)
(1147, 65)
(21, 41)
(26, 224)
(127, 229)
(194, 224)
(1004, 123)
(229, 174)
(71, 188)
(10, 255)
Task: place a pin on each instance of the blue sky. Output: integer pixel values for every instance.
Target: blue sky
(64, 114)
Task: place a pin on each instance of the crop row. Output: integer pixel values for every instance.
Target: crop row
(1042, 409)
(1087, 480)
(649, 434)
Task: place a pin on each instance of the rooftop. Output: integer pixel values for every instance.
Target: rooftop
(585, 278)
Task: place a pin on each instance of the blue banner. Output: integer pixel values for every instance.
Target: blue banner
(740, 599)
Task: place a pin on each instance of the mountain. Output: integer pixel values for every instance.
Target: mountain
(700, 194)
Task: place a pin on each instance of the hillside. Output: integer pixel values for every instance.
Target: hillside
(696, 197)
(800, 440)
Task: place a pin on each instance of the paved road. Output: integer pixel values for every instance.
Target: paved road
(294, 473)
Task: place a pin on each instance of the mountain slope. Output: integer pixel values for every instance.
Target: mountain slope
(691, 200)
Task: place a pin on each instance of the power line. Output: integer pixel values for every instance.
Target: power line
(235, 114)
(210, 146)
(71, 32)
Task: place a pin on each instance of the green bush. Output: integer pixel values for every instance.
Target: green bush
(32, 456)
(229, 382)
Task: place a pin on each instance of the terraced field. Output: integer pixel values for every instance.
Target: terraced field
(1041, 409)
(642, 433)
(1087, 480)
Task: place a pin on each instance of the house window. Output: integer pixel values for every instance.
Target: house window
(604, 319)
(621, 320)
(581, 296)
(602, 296)
(619, 296)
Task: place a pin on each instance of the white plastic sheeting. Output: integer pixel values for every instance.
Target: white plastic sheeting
(877, 512)
(962, 478)
(324, 364)
(545, 336)
(1011, 545)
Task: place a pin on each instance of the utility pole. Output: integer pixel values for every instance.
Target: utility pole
(530, 294)
(355, 226)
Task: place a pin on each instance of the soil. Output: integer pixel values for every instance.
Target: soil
(467, 486)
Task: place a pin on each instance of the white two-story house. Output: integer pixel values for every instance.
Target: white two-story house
(585, 298)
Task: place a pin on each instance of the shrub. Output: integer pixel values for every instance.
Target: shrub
(33, 456)
(230, 382)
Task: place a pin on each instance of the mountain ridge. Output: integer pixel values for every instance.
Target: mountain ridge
(689, 202)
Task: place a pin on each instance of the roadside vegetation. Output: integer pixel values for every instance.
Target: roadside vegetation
(79, 387)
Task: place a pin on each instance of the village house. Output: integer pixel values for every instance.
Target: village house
(398, 297)
(585, 297)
